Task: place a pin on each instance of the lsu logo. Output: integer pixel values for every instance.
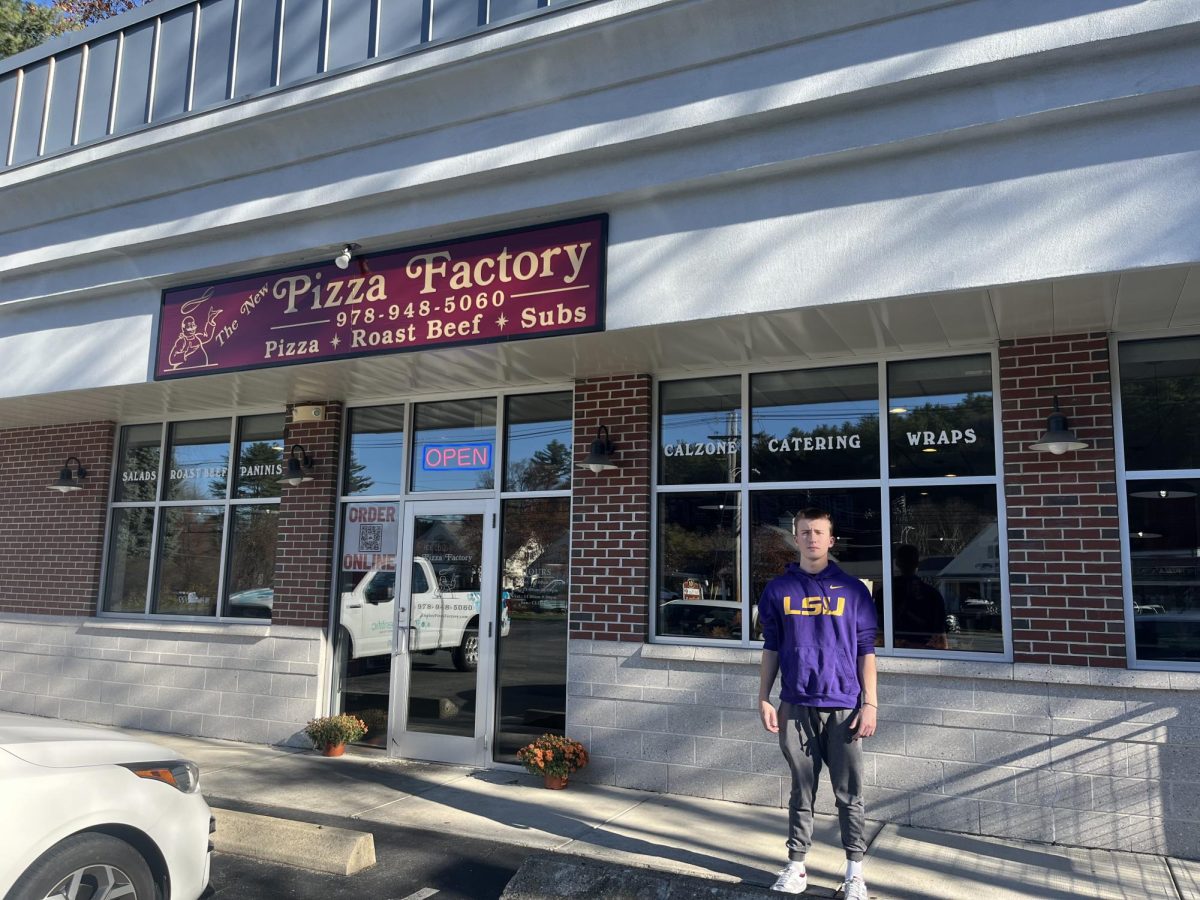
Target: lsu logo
(814, 606)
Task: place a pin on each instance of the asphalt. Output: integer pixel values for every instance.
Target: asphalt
(606, 842)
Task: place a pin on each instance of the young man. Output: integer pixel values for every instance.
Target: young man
(818, 627)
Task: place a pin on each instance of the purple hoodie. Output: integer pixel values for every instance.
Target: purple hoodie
(818, 624)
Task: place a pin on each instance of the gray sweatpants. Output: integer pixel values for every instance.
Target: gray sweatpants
(811, 738)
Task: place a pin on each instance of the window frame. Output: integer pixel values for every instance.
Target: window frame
(744, 487)
(227, 502)
(1122, 481)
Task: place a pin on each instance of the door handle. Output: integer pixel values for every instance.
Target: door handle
(353, 606)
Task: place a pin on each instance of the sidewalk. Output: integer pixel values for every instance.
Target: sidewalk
(681, 836)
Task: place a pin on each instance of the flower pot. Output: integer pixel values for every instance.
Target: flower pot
(555, 782)
(333, 750)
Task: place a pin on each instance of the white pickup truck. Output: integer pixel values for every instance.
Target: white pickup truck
(442, 618)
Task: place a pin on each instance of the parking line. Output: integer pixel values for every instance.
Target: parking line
(421, 894)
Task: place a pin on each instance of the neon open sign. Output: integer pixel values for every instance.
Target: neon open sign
(456, 457)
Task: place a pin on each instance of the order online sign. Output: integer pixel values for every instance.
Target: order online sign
(513, 285)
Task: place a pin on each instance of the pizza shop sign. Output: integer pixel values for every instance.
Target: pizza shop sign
(502, 287)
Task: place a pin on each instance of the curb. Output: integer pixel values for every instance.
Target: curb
(549, 876)
(338, 851)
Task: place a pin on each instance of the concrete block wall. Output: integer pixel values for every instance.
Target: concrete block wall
(258, 684)
(1072, 755)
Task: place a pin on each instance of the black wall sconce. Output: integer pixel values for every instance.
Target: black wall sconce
(299, 467)
(66, 483)
(601, 457)
(1058, 437)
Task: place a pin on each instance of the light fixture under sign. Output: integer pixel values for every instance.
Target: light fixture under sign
(66, 483)
(600, 458)
(1058, 437)
(300, 465)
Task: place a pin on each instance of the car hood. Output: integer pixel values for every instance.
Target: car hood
(48, 742)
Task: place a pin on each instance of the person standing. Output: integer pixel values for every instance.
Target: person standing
(818, 628)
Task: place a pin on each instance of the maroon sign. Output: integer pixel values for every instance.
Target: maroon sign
(501, 287)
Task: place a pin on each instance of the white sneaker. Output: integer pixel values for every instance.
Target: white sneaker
(793, 879)
(854, 889)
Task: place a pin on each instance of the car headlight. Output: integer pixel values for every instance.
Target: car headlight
(181, 774)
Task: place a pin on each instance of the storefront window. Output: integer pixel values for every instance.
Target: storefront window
(815, 442)
(700, 429)
(199, 460)
(260, 456)
(454, 445)
(1160, 404)
(1164, 555)
(699, 565)
(857, 531)
(1160, 429)
(189, 560)
(137, 475)
(815, 425)
(366, 611)
(130, 538)
(940, 418)
(531, 680)
(375, 451)
(251, 569)
(165, 555)
(946, 585)
(537, 442)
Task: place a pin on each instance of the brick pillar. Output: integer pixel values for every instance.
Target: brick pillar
(304, 556)
(1064, 545)
(610, 513)
(51, 543)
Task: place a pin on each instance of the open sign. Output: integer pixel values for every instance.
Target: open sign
(456, 457)
(691, 590)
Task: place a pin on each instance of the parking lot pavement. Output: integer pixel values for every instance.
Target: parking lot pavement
(409, 863)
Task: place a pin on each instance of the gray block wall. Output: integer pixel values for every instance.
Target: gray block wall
(253, 683)
(1097, 758)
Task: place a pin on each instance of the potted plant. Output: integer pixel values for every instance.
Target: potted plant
(554, 757)
(330, 734)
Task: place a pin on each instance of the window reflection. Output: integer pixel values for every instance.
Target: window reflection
(1160, 403)
(141, 449)
(375, 456)
(953, 533)
(940, 419)
(128, 560)
(250, 579)
(815, 425)
(538, 443)
(199, 460)
(535, 585)
(366, 612)
(857, 525)
(189, 560)
(699, 566)
(260, 456)
(454, 445)
(1164, 553)
(700, 428)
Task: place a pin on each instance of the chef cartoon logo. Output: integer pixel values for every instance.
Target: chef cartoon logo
(189, 347)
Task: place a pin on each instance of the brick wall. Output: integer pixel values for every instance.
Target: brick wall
(51, 543)
(610, 512)
(1063, 538)
(304, 555)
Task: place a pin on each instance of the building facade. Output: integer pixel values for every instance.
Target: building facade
(461, 365)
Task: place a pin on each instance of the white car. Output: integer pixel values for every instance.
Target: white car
(91, 814)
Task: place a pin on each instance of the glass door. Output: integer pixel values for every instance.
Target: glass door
(444, 656)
